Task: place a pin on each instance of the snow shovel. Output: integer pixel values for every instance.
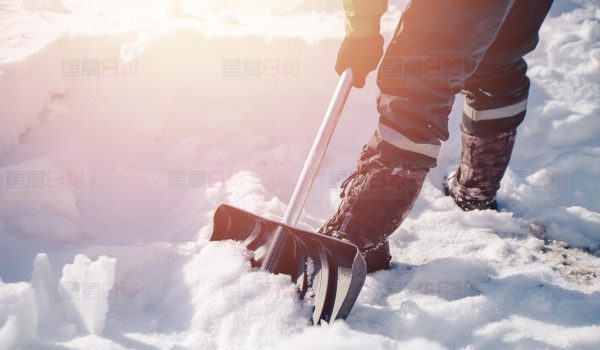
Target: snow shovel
(328, 270)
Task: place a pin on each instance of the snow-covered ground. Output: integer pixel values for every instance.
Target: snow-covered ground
(123, 126)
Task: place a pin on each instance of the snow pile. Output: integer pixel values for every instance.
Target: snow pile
(45, 283)
(18, 315)
(123, 129)
(233, 306)
(84, 288)
(56, 307)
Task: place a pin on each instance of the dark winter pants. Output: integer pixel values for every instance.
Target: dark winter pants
(443, 47)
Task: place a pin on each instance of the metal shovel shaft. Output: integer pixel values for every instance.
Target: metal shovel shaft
(311, 165)
(319, 147)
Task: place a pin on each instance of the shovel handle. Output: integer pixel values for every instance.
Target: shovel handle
(319, 147)
(312, 164)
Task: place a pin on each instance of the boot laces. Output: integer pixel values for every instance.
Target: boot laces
(346, 182)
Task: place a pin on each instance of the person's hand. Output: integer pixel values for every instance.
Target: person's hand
(360, 54)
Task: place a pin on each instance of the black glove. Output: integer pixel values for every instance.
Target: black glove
(360, 54)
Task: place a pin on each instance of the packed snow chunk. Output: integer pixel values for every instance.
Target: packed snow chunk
(84, 288)
(246, 191)
(45, 282)
(590, 30)
(232, 306)
(18, 315)
(44, 5)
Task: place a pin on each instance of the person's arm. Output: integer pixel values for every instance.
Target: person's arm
(362, 47)
(363, 17)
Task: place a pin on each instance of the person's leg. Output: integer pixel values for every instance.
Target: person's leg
(437, 45)
(496, 101)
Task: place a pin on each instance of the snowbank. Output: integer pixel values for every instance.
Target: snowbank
(121, 135)
(38, 202)
(22, 104)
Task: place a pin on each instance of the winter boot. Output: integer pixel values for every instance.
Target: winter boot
(375, 200)
(483, 163)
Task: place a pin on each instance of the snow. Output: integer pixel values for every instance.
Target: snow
(84, 288)
(43, 5)
(45, 283)
(124, 125)
(236, 297)
(18, 314)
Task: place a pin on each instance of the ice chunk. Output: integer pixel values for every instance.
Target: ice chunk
(84, 288)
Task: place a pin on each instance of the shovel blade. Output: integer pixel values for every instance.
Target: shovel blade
(334, 269)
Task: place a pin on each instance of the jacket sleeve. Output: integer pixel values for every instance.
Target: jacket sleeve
(363, 17)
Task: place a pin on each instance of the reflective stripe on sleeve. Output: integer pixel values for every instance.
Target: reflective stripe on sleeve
(395, 138)
(496, 113)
